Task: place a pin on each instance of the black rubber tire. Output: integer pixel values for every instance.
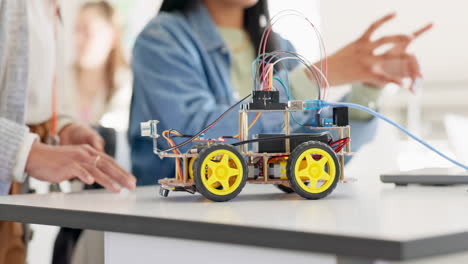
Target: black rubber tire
(198, 167)
(198, 147)
(284, 188)
(291, 164)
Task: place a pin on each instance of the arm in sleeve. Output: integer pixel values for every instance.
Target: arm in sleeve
(302, 88)
(363, 126)
(170, 85)
(363, 95)
(13, 36)
(300, 85)
(12, 138)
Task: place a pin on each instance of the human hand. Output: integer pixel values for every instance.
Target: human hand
(358, 61)
(76, 134)
(61, 163)
(403, 65)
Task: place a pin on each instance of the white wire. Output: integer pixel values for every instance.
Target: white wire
(321, 43)
(293, 12)
(292, 57)
(288, 58)
(280, 53)
(275, 54)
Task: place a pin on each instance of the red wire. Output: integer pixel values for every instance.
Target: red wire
(264, 48)
(341, 144)
(324, 59)
(338, 141)
(176, 151)
(278, 157)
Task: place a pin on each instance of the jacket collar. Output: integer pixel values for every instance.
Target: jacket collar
(204, 26)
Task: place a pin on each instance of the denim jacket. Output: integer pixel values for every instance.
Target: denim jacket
(181, 69)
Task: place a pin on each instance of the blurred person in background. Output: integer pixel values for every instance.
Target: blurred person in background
(193, 61)
(100, 79)
(100, 74)
(28, 94)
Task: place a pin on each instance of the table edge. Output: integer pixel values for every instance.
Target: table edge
(340, 245)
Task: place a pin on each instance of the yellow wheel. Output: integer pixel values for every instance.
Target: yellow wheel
(190, 168)
(194, 149)
(220, 172)
(198, 148)
(313, 170)
(190, 171)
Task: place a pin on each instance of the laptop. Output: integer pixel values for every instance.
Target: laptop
(457, 129)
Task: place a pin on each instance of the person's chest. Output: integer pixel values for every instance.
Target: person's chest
(42, 62)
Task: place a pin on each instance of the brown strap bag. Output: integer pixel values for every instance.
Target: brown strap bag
(12, 235)
(12, 246)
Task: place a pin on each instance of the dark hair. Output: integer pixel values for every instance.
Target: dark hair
(252, 19)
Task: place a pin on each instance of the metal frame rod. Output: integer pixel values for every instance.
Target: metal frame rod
(287, 132)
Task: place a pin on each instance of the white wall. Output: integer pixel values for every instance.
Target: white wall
(296, 29)
(442, 52)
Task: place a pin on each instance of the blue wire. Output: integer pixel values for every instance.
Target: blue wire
(374, 113)
(287, 91)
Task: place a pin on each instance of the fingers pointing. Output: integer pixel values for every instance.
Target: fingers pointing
(377, 24)
(395, 39)
(422, 30)
(387, 78)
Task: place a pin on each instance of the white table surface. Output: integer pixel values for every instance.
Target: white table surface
(365, 209)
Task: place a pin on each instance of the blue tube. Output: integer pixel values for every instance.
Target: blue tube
(374, 113)
(315, 104)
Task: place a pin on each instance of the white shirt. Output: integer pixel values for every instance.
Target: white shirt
(42, 68)
(44, 64)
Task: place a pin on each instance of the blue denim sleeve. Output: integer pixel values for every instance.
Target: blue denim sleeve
(171, 85)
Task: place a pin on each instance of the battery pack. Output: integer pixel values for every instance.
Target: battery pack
(279, 145)
(340, 116)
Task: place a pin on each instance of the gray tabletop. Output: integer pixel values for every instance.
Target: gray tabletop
(365, 219)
